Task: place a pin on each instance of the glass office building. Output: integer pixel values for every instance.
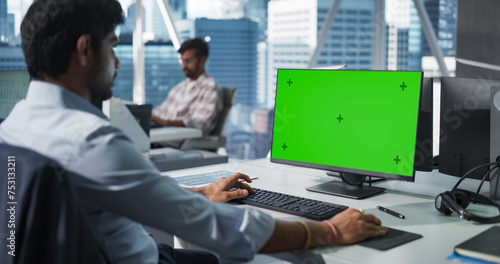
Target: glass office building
(397, 48)
(447, 35)
(4, 25)
(179, 11)
(294, 27)
(232, 59)
(11, 58)
(442, 15)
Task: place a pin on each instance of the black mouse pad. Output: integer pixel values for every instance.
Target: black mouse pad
(393, 238)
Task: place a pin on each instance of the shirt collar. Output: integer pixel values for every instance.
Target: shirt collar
(202, 76)
(45, 93)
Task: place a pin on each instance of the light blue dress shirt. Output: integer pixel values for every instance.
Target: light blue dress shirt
(120, 188)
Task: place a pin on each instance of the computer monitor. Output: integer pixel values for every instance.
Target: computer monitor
(142, 114)
(424, 150)
(465, 125)
(358, 123)
(13, 88)
(121, 117)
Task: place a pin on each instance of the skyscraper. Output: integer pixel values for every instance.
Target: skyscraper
(256, 10)
(127, 29)
(178, 8)
(179, 12)
(408, 34)
(294, 26)
(4, 22)
(447, 26)
(397, 47)
(11, 58)
(233, 53)
(153, 22)
(442, 15)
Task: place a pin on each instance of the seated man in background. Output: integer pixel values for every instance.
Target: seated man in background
(69, 53)
(197, 101)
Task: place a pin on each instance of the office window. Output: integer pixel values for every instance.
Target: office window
(249, 40)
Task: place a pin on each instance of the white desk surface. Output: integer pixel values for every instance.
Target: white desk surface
(159, 134)
(415, 200)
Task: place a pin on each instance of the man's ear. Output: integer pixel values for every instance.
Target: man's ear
(84, 49)
(203, 59)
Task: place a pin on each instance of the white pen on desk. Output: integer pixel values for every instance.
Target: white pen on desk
(396, 214)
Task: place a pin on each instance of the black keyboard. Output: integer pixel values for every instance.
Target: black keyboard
(309, 208)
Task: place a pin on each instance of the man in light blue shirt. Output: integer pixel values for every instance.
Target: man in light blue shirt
(68, 46)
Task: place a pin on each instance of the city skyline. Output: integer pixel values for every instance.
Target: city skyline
(217, 9)
(282, 42)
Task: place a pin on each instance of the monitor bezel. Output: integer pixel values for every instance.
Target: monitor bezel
(344, 169)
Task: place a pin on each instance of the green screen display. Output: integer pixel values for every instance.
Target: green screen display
(353, 121)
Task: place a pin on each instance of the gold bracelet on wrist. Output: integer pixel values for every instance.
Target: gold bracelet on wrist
(308, 237)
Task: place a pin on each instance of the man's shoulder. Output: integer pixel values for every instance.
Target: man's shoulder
(79, 126)
(209, 82)
(207, 77)
(62, 134)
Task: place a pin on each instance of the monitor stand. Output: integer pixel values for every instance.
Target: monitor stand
(368, 179)
(351, 186)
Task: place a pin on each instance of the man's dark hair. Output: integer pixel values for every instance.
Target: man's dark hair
(197, 44)
(51, 28)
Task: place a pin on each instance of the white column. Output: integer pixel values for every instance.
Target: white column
(325, 29)
(379, 36)
(167, 18)
(430, 35)
(139, 94)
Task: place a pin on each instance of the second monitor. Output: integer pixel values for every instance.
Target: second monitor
(359, 123)
(465, 125)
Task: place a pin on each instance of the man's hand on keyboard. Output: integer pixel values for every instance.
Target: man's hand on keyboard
(219, 190)
(354, 226)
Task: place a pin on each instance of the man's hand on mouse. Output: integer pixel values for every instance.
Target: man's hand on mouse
(219, 191)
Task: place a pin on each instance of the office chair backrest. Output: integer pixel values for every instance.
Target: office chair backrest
(42, 217)
(215, 139)
(228, 96)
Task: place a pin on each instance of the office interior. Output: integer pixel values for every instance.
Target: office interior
(473, 58)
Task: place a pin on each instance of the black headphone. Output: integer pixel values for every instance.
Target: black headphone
(458, 199)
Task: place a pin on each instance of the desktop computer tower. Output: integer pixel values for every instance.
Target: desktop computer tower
(464, 140)
(424, 144)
